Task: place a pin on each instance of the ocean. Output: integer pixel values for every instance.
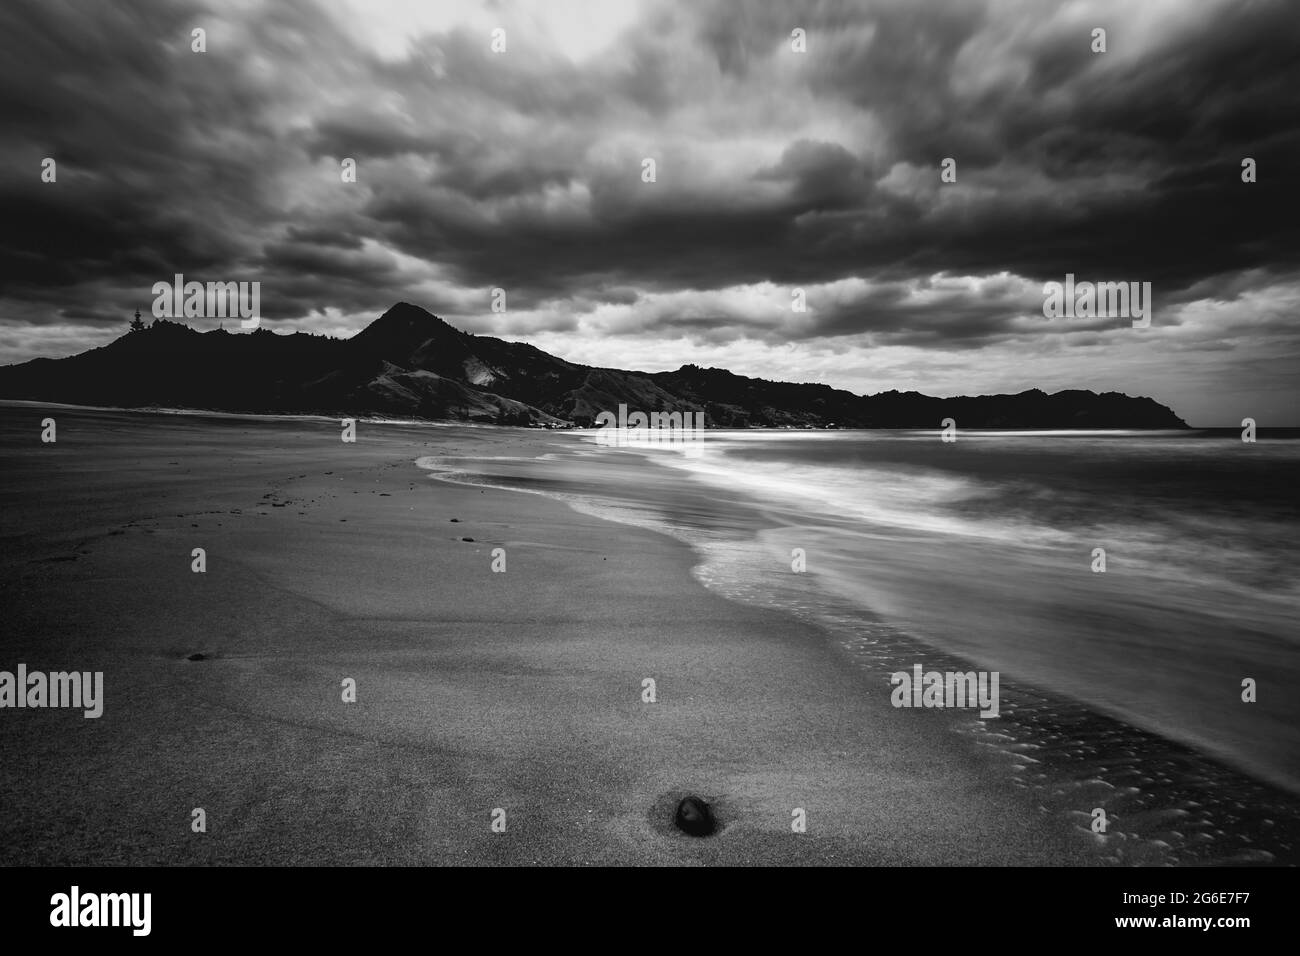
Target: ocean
(1123, 673)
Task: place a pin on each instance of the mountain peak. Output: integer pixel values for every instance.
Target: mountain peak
(404, 313)
(402, 330)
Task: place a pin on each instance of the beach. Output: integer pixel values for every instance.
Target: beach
(475, 691)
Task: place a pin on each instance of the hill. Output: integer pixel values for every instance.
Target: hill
(409, 362)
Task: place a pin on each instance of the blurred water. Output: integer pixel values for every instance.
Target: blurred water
(984, 547)
(1121, 689)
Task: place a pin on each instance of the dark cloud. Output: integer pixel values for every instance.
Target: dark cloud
(478, 170)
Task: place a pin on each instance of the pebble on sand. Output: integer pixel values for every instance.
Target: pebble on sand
(695, 817)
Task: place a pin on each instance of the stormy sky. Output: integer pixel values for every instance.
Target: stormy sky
(775, 169)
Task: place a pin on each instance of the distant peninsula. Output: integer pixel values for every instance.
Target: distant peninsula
(410, 363)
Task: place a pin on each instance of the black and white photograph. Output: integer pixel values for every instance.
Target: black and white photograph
(649, 433)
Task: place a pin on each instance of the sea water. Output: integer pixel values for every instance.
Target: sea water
(1137, 592)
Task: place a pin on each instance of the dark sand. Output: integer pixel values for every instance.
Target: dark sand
(476, 690)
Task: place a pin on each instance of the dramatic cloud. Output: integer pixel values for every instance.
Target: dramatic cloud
(774, 171)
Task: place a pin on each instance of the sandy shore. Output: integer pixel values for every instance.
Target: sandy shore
(475, 690)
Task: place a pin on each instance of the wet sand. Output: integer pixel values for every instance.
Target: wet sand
(475, 690)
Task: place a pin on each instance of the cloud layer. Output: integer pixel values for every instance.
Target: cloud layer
(775, 170)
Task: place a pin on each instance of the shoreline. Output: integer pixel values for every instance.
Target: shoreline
(1169, 796)
(454, 422)
(524, 698)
